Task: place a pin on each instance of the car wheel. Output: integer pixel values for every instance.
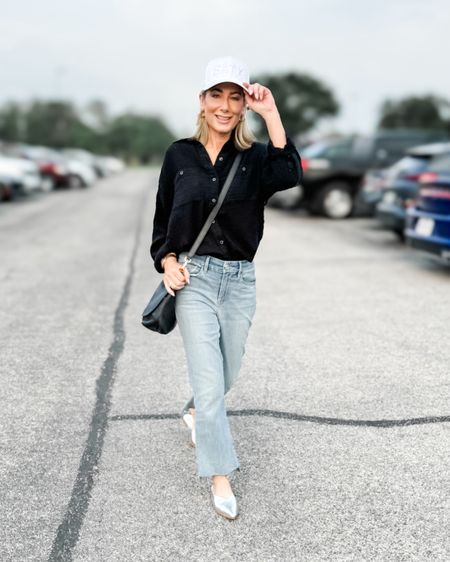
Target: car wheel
(76, 181)
(334, 200)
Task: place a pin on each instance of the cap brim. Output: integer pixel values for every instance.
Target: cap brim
(231, 81)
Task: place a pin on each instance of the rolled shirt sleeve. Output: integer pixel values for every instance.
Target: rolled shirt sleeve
(281, 168)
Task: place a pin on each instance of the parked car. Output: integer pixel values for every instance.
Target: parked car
(401, 184)
(371, 189)
(19, 177)
(111, 164)
(86, 157)
(81, 174)
(52, 167)
(428, 221)
(333, 170)
(58, 170)
(102, 165)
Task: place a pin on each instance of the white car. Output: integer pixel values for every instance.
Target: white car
(103, 165)
(83, 156)
(23, 175)
(80, 174)
(111, 164)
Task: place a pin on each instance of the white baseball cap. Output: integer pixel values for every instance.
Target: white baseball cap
(225, 69)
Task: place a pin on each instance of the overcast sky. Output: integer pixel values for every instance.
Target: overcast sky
(150, 56)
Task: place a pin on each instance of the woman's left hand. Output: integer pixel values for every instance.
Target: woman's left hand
(260, 100)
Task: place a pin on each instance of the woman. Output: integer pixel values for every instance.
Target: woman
(215, 298)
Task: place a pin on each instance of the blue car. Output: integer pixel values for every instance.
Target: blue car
(428, 221)
(402, 183)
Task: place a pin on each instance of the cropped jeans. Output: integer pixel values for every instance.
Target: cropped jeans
(214, 313)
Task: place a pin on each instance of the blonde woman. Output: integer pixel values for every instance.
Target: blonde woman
(216, 290)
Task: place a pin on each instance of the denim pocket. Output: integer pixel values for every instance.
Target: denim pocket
(194, 268)
(248, 276)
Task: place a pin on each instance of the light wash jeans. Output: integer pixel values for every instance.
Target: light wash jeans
(214, 313)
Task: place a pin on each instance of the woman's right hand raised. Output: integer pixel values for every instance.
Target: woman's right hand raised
(175, 275)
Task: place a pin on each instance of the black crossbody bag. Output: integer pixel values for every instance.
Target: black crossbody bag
(159, 314)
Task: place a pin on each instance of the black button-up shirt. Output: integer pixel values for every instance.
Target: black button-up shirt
(189, 186)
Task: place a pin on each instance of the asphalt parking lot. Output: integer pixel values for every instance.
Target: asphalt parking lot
(340, 415)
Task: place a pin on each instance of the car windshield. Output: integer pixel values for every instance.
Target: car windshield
(441, 164)
(339, 149)
(408, 164)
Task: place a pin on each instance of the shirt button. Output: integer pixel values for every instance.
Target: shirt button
(221, 158)
(243, 168)
(213, 179)
(220, 241)
(213, 221)
(213, 200)
(181, 172)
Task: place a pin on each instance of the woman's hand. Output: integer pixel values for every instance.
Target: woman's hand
(260, 100)
(175, 275)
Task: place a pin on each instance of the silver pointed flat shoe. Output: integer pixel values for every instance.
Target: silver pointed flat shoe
(188, 420)
(227, 507)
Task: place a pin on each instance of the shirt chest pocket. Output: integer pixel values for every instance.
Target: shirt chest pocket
(243, 186)
(188, 186)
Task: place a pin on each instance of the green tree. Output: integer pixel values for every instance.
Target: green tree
(426, 112)
(57, 124)
(141, 136)
(302, 101)
(13, 122)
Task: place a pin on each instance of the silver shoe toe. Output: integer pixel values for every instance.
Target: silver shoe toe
(188, 420)
(227, 507)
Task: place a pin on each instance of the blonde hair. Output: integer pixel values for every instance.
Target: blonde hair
(242, 135)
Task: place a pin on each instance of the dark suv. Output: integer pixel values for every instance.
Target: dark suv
(333, 169)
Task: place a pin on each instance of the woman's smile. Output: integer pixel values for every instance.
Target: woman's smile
(223, 118)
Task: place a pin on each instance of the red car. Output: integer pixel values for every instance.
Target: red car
(52, 166)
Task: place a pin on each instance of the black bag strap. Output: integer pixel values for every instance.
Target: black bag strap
(215, 210)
